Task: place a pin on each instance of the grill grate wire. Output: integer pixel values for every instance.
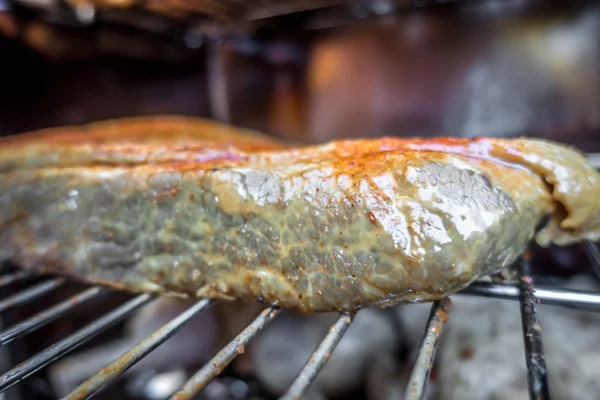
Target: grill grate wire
(62, 347)
(14, 277)
(427, 348)
(30, 294)
(111, 372)
(574, 299)
(522, 291)
(39, 320)
(537, 374)
(224, 357)
(318, 359)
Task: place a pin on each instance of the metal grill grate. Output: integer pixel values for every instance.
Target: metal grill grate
(522, 291)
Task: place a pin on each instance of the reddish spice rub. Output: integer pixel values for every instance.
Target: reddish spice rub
(191, 208)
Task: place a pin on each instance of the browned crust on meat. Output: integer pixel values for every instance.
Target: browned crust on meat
(190, 208)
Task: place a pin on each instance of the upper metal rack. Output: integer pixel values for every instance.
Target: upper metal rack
(522, 291)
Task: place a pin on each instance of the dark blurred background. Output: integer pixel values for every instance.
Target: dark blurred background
(370, 68)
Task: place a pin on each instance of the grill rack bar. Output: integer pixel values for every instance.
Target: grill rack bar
(318, 358)
(30, 294)
(14, 277)
(576, 299)
(537, 373)
(513, 291)
(418, 379)
(60, 348)
(40, 319)
(223, 358)
(108, 374)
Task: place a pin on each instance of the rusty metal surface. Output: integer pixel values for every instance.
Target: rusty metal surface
(111, 372)
(537, 373)
(215, 366)
(420, 373)
(318, 359)
(418, 380)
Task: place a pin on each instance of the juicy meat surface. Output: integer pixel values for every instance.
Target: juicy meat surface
(191, 208)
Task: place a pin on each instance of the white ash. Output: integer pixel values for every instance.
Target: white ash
(198, 334)
(280, 352)
(481, 353)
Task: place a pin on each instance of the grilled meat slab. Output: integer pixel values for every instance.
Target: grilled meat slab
(191, 208)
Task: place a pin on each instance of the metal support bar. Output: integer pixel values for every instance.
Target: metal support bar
(426, 355)
(215, 366)
(111, 372)
(318, 359)
(30, 294)
(49, 315)
(218, 88)
(14, 277)
(537, 373)
(69, 343)
(575, 299)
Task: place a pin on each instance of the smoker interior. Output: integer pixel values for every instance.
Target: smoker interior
(277, 73)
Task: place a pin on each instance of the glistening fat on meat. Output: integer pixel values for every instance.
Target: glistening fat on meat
(191, 208)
